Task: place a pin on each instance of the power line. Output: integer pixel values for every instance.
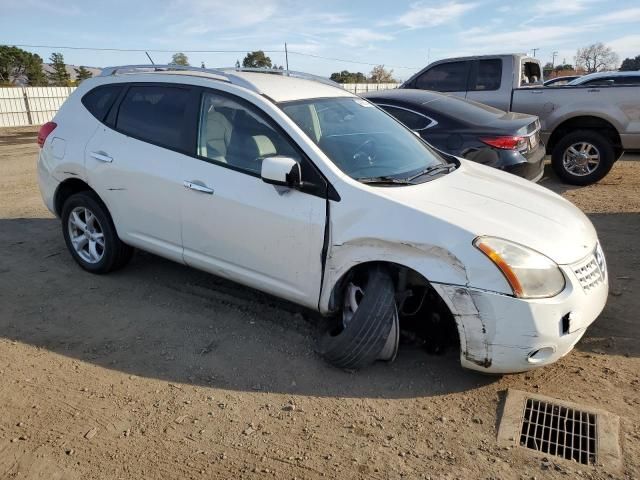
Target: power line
(144, 50)
(348, 61)
(99, 49)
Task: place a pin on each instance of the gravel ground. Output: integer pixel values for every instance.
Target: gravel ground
(161, 371)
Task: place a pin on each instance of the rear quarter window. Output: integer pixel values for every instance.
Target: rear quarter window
(413, 120)
(155, 114)
(99, 100)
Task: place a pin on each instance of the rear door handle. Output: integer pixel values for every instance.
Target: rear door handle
(103, 157)
(198, 187)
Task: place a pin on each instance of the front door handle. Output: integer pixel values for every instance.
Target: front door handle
(103, 157)
(198, 187)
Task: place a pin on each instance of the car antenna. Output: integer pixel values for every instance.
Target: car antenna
(149, 57)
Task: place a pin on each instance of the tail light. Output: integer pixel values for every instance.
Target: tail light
(44, 132)
(506, 143)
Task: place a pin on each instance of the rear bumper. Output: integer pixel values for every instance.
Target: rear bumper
(47, 183)
(530, 166)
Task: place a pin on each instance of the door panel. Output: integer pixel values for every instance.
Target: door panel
(141, 187)
(237, 226)
(264, 236)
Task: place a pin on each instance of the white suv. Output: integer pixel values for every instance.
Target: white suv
(305, 191)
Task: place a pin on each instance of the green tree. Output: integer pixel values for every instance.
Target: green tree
(256, 59)
(17, 64)
(58, 75)
(346, 76)
(82, 74)
(179, 59)
(630, 64)
(380, 75)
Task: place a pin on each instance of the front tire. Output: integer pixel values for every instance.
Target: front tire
(582, 157)
(90, 235)
(369, 329)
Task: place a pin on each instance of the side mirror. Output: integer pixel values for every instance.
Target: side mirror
(283, 171)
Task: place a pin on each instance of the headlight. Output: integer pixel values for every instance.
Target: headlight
(530, 274)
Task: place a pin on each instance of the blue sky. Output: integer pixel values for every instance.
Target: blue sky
(397, 34)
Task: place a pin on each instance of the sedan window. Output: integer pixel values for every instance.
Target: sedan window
(415, 121)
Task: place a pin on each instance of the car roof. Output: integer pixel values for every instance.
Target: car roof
(596, 75)
(407, 95)
(278, 85)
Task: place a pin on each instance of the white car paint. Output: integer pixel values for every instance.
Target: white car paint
(271, 238)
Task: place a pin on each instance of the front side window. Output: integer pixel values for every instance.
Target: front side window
(154, 114)
(413, 120)
(446, 77)
(361, 140)
(488, 76)
(235, 134)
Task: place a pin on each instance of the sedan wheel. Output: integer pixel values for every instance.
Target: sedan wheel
(86, 235)
(581, 159)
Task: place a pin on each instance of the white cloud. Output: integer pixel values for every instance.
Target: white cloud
(621, 16)
(359, 37)
(422, 15)
(627, 46)
(553, 7)
(520, 40)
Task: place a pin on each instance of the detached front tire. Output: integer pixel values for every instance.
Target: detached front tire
(90, 235)
(583, 157)
(368, 329)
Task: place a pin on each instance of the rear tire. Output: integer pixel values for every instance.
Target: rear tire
(90, 235)
(583, 157)
(368, 331)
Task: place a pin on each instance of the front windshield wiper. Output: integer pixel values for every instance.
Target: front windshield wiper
(432, 170)
(385, 181)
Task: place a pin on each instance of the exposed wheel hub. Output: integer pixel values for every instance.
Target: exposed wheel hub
(86, 235)
(581, 159)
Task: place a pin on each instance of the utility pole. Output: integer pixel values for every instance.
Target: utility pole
(553, 60)
(534, 51)
(286, 55)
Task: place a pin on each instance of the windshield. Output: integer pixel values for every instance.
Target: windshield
(362, 140)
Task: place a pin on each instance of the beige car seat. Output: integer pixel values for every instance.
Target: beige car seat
(215, 136)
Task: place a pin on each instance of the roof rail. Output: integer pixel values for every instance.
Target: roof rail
(288, 73)
(224, 75)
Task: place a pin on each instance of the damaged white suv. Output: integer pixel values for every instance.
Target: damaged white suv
(305, 191)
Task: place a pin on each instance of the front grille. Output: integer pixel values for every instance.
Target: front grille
(558, 430)
(589, 273)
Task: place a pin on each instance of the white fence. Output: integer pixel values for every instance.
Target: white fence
(368, 87)
(21, 106)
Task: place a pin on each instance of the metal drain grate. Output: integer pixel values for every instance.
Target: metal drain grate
(558, 430)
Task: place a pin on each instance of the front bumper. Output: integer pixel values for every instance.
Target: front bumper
(503, 334)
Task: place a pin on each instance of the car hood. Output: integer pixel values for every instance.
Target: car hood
(485, 201)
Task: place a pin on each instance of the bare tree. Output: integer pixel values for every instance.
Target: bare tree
(380, 75)
(596, 57)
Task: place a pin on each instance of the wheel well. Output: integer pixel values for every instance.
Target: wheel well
(66, 189)
(586, 123)
(423, 313)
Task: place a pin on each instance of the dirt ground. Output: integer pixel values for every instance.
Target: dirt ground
(161, 371)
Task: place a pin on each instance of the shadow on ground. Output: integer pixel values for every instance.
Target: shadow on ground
(163, 320)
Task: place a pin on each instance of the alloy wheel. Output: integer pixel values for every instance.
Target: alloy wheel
(581, 159)
(86, 235)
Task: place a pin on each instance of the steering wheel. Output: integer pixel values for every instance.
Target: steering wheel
(366, 152)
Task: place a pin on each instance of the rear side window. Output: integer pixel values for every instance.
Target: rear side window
(413, 120)
(99, 100)
(154, 114)
(488, 75)
(446, 77)
(630, 80)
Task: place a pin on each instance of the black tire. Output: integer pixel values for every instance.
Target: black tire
(599, 141)
(360, 343)
(115, 253)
